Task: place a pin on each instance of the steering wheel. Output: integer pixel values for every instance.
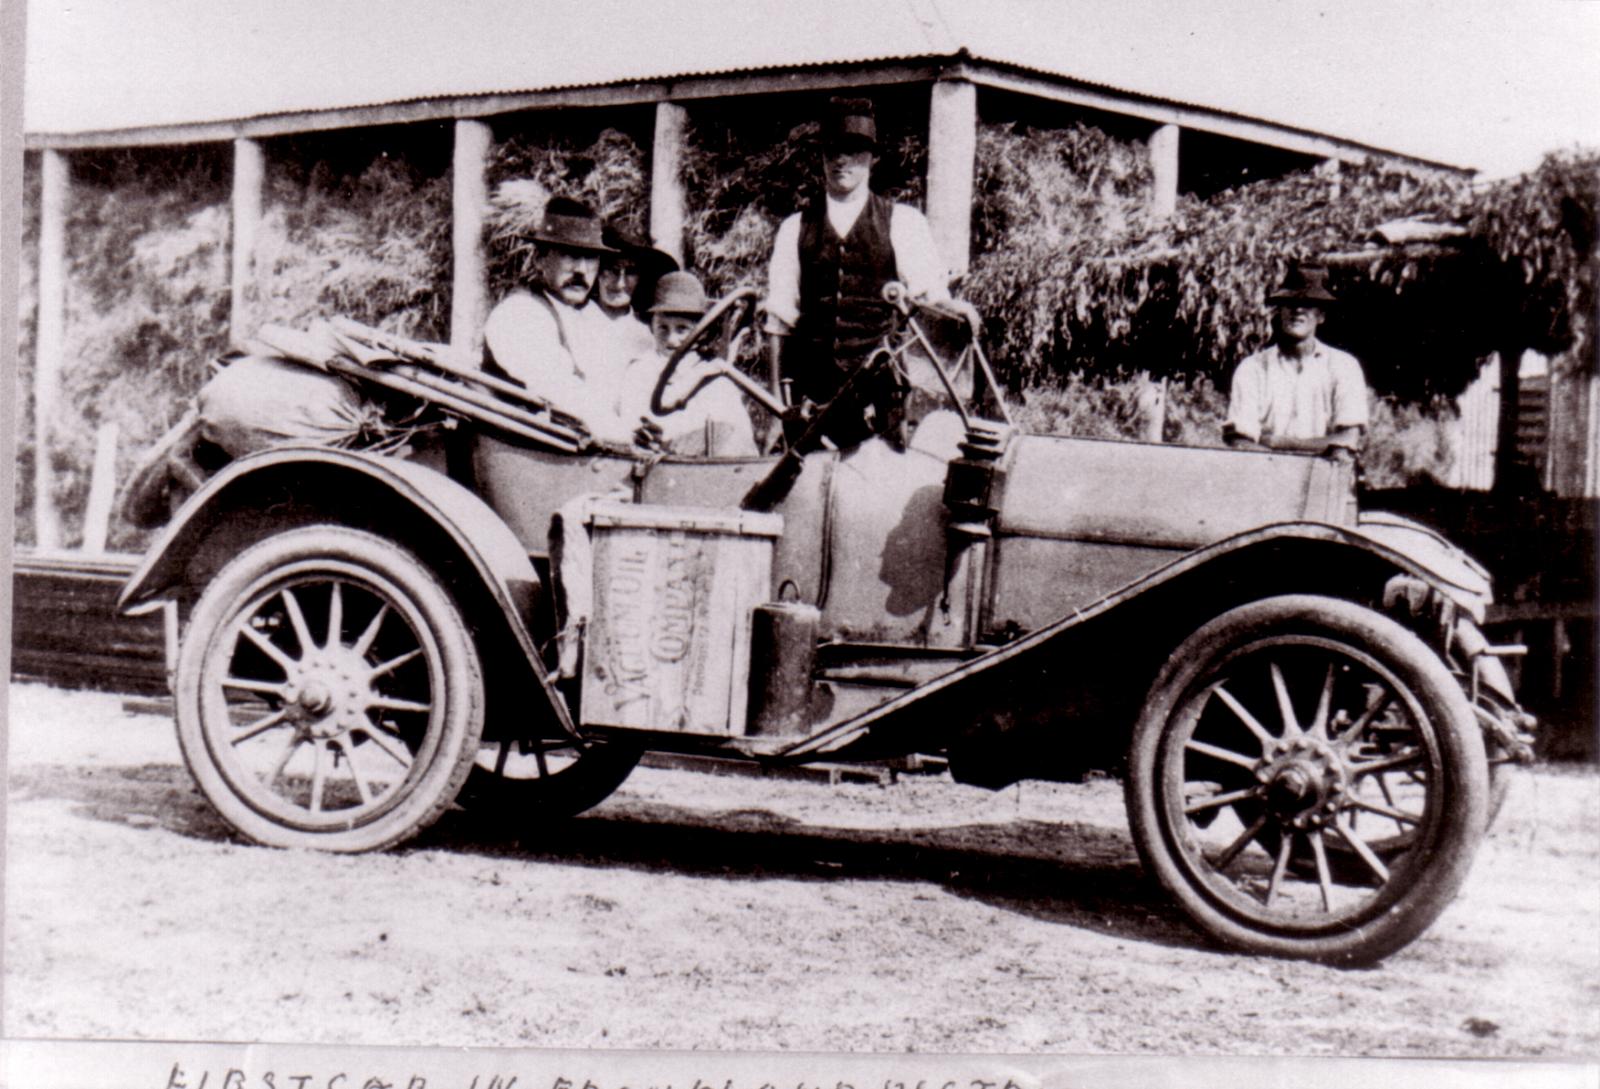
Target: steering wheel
(741, 305)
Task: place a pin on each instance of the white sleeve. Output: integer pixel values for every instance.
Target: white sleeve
(1246, 403)
(524, 340)
(783, 277)
(916, 258)
(1349, 393)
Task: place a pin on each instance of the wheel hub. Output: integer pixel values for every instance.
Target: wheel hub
(331, 693)
(1305, 782)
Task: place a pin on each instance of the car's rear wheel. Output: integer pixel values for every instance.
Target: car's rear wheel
(1308, 780)
(545, 778)
(328, 694)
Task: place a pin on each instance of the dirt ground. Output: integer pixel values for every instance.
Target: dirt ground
(697, 911)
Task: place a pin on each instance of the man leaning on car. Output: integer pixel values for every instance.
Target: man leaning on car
(1298, 393)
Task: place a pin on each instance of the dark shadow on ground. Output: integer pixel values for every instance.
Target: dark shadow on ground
(1072, 874)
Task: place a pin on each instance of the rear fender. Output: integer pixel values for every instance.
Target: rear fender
(459, 536)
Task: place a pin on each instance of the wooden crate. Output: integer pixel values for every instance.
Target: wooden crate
(668, 642)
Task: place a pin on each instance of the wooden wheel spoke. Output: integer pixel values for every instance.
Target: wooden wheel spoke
(1214, 801)
(1280, 866)
(297, 618)
(1219, 753)
(262, 725)
(395, 703)
(1360, 847)
(1229, 853)
(269, 648)
(1243, 714)
(1359, 726)
(393, 746)
(319, 777)
(335, 613)
(249, 684)
(370, 635)
(1399, 816)
(289, 750)
(1285, 705)
(349, 752)
(1324, 876)
(385, 668)
(1388, 796)
(1319, 723)
(1409, 758)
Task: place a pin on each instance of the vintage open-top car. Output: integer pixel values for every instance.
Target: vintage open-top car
(1312, 729)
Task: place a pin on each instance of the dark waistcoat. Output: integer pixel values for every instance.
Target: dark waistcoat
(842, 312)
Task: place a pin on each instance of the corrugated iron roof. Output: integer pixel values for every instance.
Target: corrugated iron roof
(98, 65)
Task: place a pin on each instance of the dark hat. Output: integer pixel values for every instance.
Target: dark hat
(679, 293)
(850, 123)
(571, 225)
(1303, 284)
(651, 261)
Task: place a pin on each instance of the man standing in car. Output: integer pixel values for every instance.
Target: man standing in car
(1298, 393)
(549, 337)
(830, 262)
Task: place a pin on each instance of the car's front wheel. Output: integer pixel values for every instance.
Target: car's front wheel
(1307, 780)
(328, 694)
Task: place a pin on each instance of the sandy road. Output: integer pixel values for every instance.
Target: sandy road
(693, 911)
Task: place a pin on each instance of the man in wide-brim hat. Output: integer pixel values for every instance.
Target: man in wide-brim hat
(546, 334)
(1298, 393)
(830, 262)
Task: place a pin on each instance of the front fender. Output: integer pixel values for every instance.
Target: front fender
(1463, 578)
(470, 548)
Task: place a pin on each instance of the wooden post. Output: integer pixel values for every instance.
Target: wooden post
(469, 205)
(249, 179)
(102, 489)
(1508, 475)
(1164, 170)
(952, 155)
(667, 203)
(49, 341)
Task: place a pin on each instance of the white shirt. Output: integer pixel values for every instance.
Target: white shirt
(713, 423)
(916, 258)
(1307, 398)
(564, 356)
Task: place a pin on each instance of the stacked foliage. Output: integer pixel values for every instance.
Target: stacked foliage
(359, 225)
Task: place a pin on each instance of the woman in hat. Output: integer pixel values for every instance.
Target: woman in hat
(626, 283)
(1298, 393)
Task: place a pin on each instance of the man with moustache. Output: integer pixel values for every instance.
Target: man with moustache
(548, 336)
(1298, 393)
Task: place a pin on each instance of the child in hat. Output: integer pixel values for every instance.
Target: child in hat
(712, 421)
